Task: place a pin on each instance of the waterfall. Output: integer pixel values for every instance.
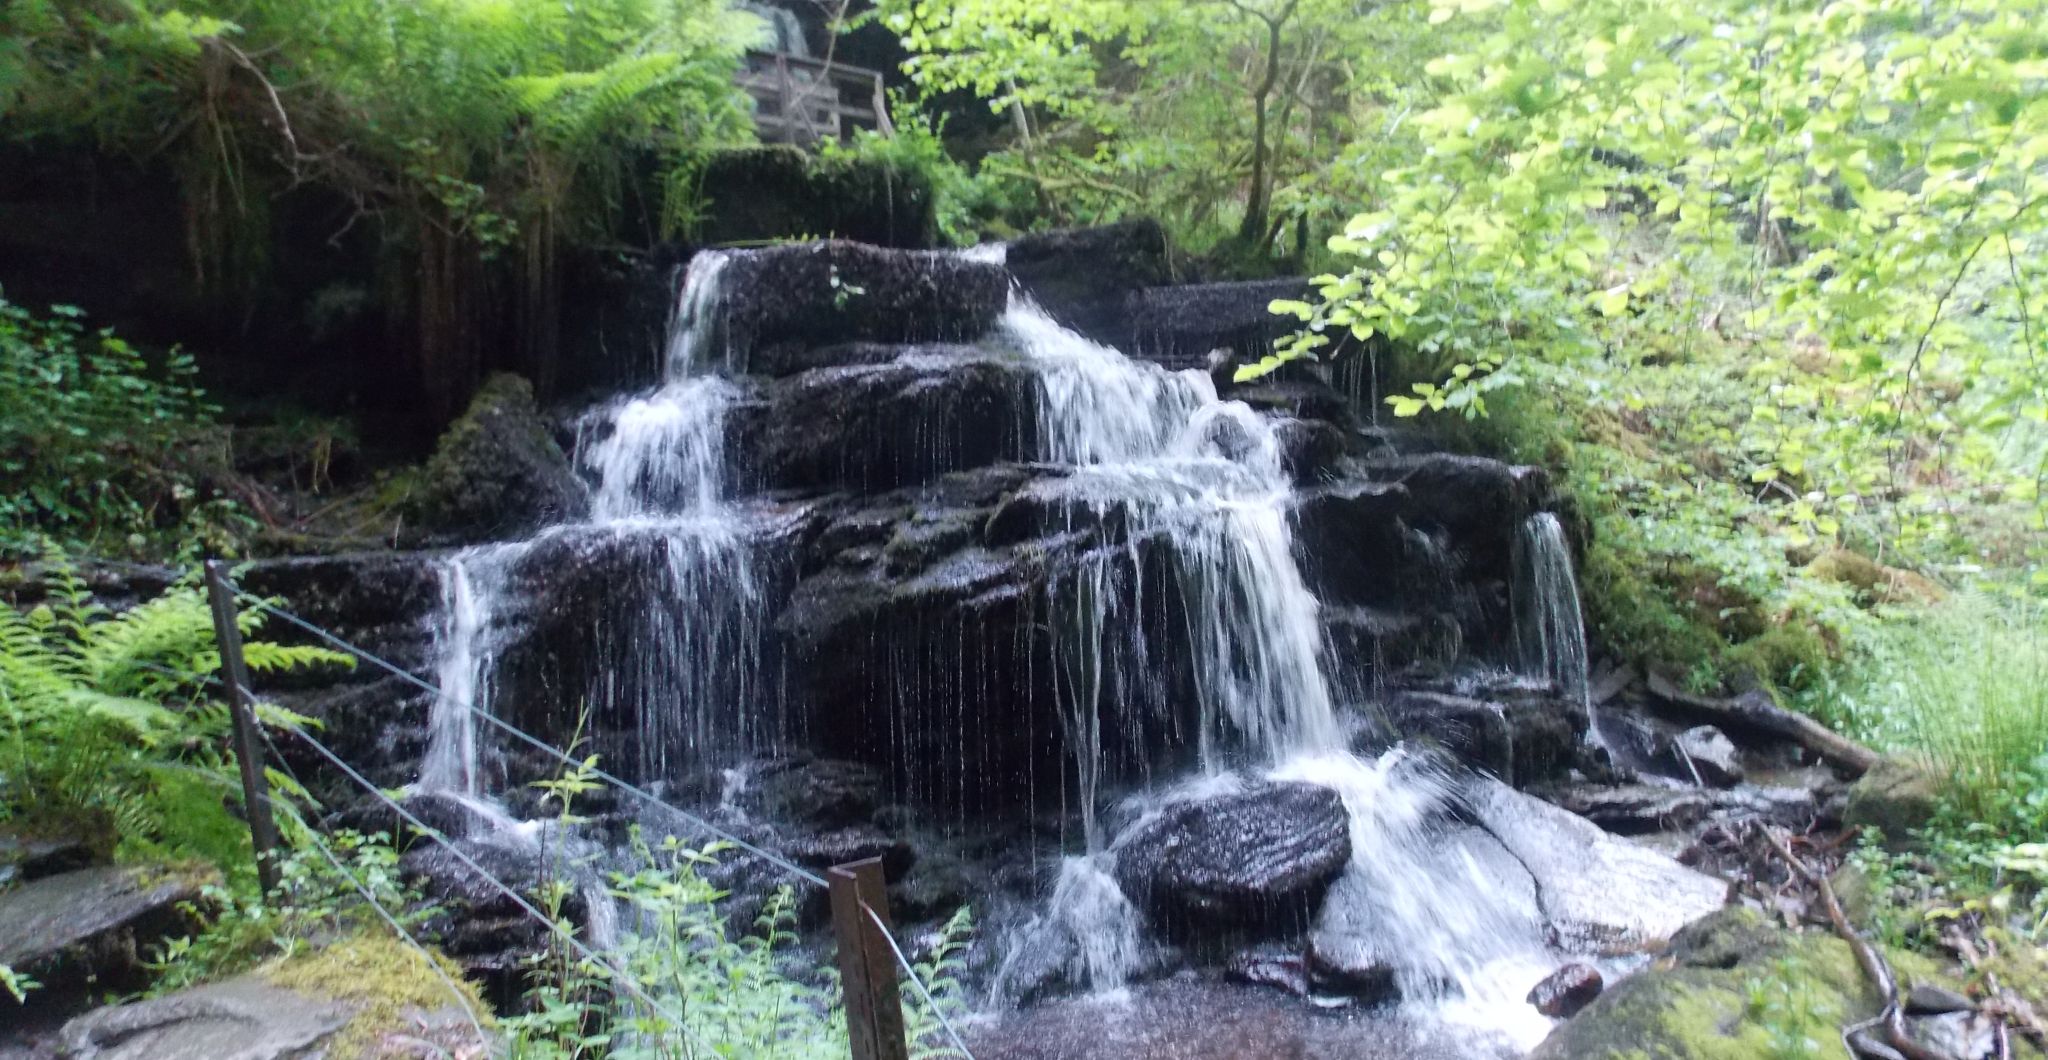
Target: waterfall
(1549, 627)
(470, 582)
(1204, 479)
(691, 631)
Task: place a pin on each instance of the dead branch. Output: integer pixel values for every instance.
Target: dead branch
(1875, 967)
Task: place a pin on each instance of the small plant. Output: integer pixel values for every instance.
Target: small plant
(17, 984)
(315, 901)
(843, 291)
(1787, 1009)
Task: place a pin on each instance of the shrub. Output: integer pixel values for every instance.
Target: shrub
(99, 446)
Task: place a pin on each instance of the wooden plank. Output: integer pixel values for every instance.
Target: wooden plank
(867, 966)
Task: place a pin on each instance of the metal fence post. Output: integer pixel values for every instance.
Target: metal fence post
(867, 968)
(255, 789)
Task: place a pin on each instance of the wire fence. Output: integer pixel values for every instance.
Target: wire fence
(593, 958)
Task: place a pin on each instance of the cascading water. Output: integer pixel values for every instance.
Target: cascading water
(693, 625)
(1550, 627)
(1204, 477)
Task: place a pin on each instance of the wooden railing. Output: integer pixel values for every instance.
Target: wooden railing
(803, 101)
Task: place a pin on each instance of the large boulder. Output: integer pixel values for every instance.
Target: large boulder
(1084, 276)
(1260, 858)
(781, 300)
(1700, 1003)
(97, 925)
(1896, 798)
(927, 411)
(1598, 893)
(497, 472)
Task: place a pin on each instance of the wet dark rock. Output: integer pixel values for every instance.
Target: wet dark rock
(1350, 965)
(877, 427)
(841, 846)
(1478, 501)
(1310, 450)
(819, 294)
(1896, 798)
(1259, 858)
(1353, 546)
(1640, 809)
(1522, 740)
(1927, 999)
(497, 472)
(377, 600)
(1712, 754)
(936, 886)
(823, 792)
(1564, 992)
(97, 925)
(1083, 276)
(1178, 326)
(442, 812)
(1304, 398)
(1282, 970)
(787, 360)
(465, 894)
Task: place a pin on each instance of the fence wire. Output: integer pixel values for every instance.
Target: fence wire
(173, 574)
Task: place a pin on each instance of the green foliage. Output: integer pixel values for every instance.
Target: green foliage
(968, 203)
(494, 123)
(1787, 1009)
(738, 996)
(106, 725)
(315, 902)
(1198, 113)
(1846, 195)
(100, 447)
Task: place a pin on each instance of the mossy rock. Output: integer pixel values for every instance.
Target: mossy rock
(395, 995)
(1733, 987)
(1876, 582)
(1896, 798)
(779, 192)
(497, 472)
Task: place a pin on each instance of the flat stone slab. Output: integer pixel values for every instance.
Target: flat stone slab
(240, 1019)
(92, 923)
(1598, 892)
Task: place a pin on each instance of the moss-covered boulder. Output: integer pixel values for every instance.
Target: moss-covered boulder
(497, 472)
(1896, 798)
(1732, 987)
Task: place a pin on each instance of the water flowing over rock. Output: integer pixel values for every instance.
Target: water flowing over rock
(1255, 857)
(892, 559)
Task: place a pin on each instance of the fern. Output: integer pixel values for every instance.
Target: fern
(107, 721)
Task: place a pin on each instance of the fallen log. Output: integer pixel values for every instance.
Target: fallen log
(1755, 714)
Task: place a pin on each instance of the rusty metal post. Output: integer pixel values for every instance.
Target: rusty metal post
(233, 673)
(867, 968)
